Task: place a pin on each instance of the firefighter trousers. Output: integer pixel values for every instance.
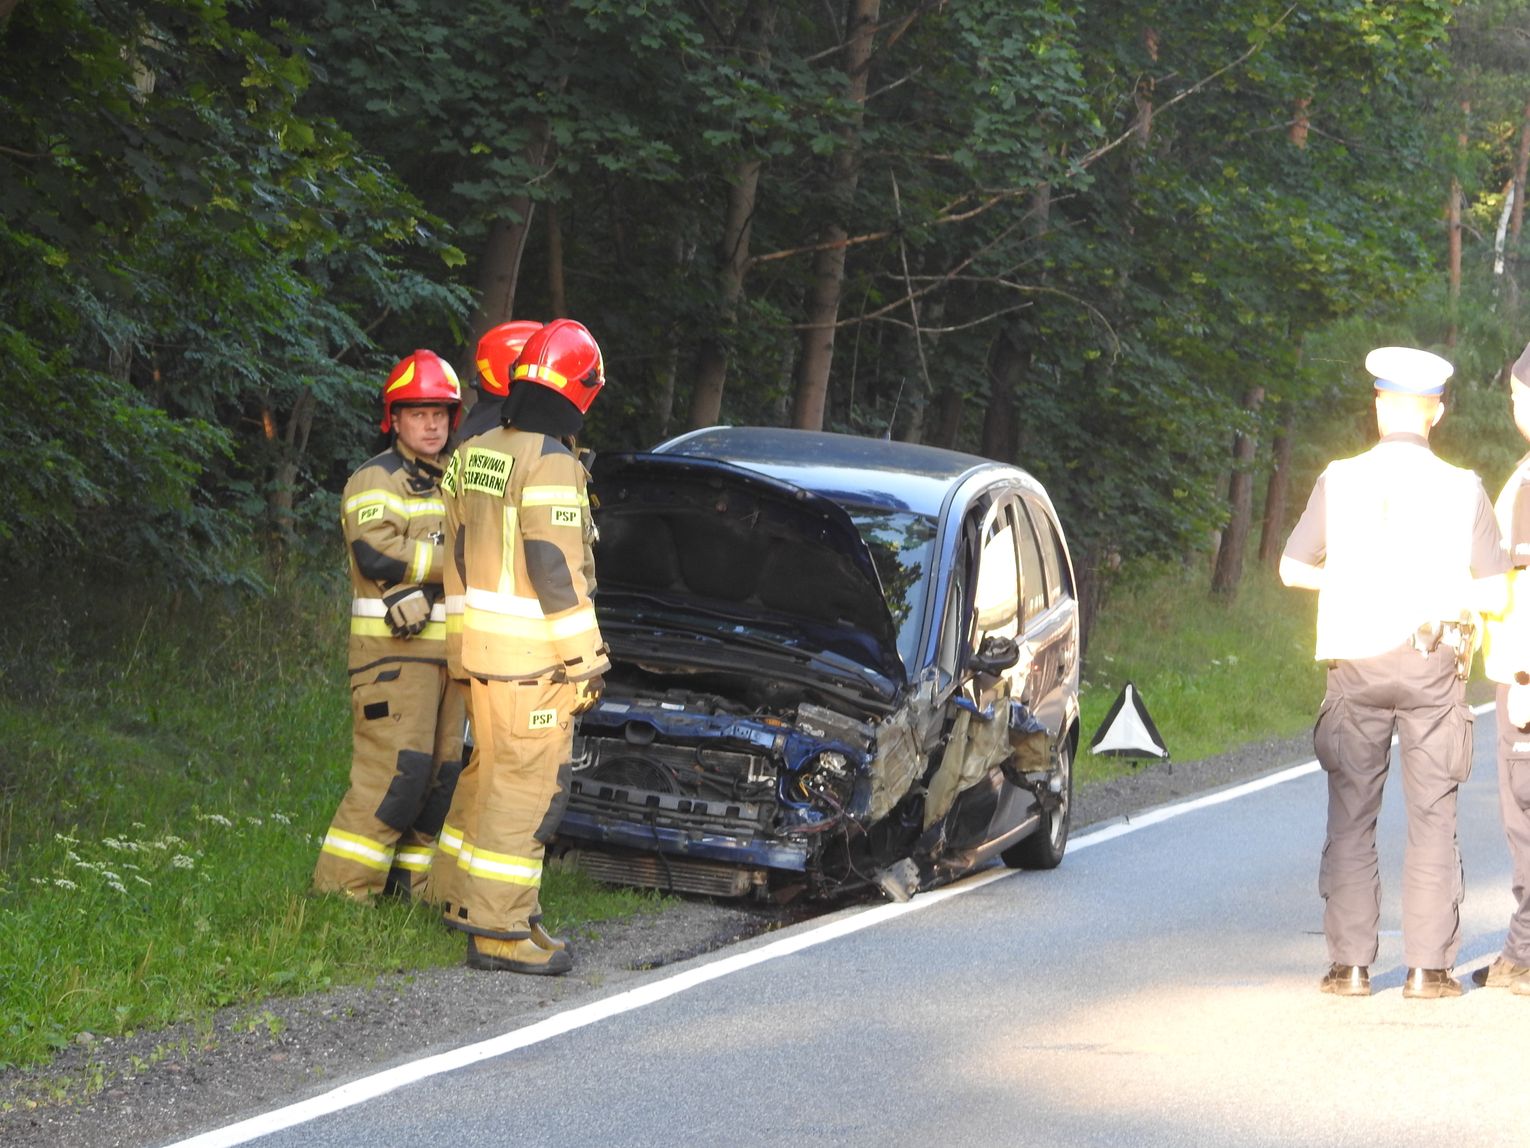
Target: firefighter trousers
(523, 733)
(1514, 806)
(1418, 697)
(442, 887)
(407, 727)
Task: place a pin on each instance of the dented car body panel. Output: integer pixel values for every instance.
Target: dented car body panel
(825, 654)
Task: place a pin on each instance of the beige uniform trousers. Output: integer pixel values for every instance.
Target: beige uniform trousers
(407, 751)
(523, 733)
(443, 888)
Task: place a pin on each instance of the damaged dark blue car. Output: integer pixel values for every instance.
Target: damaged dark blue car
(838, 663)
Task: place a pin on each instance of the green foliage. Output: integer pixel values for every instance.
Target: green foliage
(190, 266)
(170, 767)
(1214, 674)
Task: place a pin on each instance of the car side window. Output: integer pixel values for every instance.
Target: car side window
(1033, 594)
(1051, 555)
(996, 606)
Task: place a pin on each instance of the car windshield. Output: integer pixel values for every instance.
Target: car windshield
(902, 546)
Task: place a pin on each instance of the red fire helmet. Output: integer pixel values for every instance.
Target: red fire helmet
(563, 356)
(421, 378)
(497, 351)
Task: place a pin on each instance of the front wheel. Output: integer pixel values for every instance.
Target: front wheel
(1044, 848)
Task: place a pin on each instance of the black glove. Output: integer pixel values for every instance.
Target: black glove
(587, 693)
(408, 611)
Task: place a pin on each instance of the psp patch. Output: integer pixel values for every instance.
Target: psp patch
(565, 516)
(449, 479)
(486, 471)
(367, 513)
(544, 719)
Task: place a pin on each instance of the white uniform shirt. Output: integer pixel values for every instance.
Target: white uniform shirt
(1400, 535)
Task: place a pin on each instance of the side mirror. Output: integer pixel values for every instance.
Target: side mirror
(995, 655)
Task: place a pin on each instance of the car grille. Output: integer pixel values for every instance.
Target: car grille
(717, 791)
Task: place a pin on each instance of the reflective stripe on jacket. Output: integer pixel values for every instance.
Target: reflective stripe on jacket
(393, 519)
(1506, 640)
(517, 530)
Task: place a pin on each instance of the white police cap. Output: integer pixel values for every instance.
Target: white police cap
(1408, 371)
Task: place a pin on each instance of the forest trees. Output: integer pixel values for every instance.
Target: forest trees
(1097, 239)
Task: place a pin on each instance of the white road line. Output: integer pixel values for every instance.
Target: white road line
(381, 1083)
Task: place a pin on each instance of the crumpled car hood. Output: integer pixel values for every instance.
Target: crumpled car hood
(723, 542)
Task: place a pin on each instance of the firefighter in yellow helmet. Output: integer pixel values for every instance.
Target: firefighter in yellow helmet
(498, 349)
(407, 720)
(517, 516)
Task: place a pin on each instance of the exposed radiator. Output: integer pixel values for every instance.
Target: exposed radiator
(671, 874)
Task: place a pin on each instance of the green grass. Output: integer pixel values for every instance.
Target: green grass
(1213, 674)
(167, 768)
(166, 772)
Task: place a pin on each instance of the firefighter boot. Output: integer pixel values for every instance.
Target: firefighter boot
(542, 939)
(522, 956)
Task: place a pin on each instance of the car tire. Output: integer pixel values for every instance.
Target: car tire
(1044, 848)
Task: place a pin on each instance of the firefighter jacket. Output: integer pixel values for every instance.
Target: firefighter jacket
(518, 537)
(1506, 643)
(1401, 537)
(394, 524)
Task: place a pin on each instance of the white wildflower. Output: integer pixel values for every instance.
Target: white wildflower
(143, 881)
(282, 818)
(110, 876)
(64, 883)
(1232, 659)
(66, 839)
(116, 886)
(181, 861)
(253, 821)
(216, 819)
(40, 881)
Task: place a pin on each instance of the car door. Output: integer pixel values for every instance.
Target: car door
(1049, 618)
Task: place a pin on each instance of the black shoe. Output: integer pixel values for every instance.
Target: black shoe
(1499, 975)
(1347, 981)
(1430, 984)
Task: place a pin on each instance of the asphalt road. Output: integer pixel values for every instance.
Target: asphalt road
(1160, 988)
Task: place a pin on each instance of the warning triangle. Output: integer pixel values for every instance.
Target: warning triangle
(1127, 730)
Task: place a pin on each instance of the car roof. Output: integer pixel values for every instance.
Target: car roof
(852, 470)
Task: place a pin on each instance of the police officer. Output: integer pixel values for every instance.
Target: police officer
(498, 349)
(517, 515)
(407, 722)
(1401, 547)
(1506, 657)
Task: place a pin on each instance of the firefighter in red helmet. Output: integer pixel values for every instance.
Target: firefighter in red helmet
(498, 350)
(517, 518)
(407, 722)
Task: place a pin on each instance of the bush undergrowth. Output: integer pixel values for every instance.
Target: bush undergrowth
(167, 768)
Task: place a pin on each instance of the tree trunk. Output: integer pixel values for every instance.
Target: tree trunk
(1276, 491)
(947, 425)
(1301, 122)
(1453, 226)
(1240, 497)
(500, 268)
(1521, 172)
(557, 299)
(1006, 365)
(811, 390)
(732, 264)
